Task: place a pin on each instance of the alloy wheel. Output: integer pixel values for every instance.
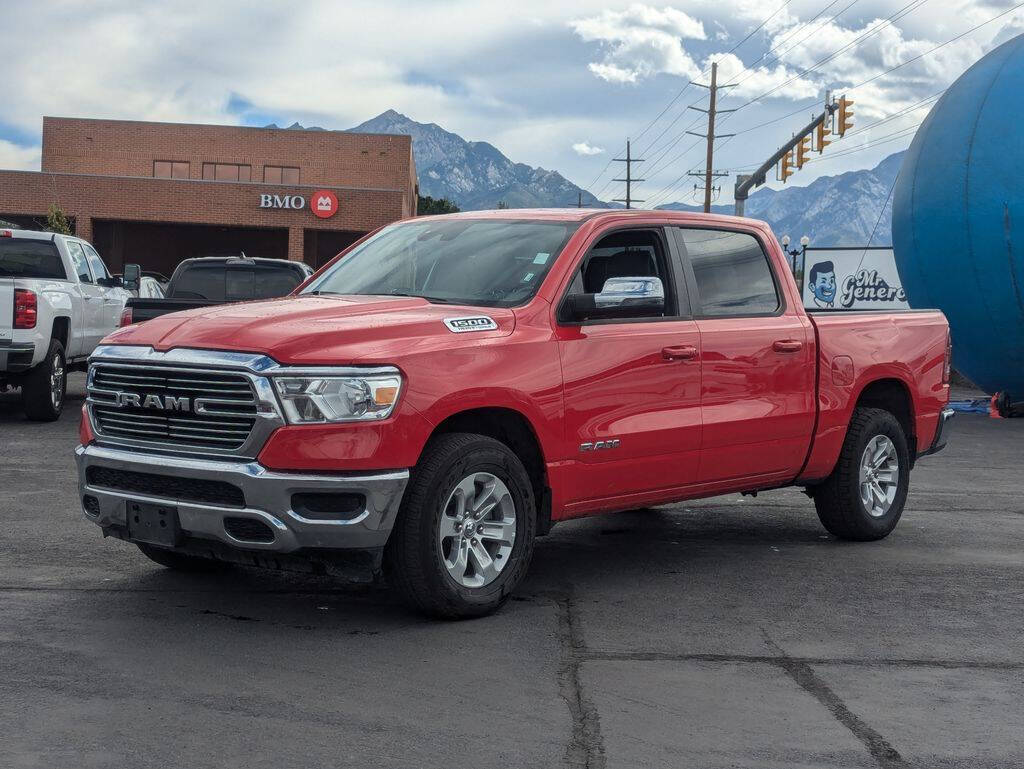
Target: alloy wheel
(477, 530)
(879, 475)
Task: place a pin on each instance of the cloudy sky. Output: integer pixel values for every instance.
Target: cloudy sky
(550, 83)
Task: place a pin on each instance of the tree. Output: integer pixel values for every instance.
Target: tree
(427, 206)
(56, 221)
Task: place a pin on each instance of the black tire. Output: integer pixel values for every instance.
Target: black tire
(838, 499)
(181, 561)
(36, 394)
(413, 559)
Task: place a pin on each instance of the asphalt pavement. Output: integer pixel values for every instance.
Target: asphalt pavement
(731, 632)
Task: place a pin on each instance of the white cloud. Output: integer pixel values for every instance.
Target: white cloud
(584, 148)
(641, 41)
(18, 158)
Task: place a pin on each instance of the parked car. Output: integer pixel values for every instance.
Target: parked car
(436, 399)
(57, 300)
(151, 285)
(211, 280)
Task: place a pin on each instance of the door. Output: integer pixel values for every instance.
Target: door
(632, 385)
(91, 326)
(114, 297)
(757, 395)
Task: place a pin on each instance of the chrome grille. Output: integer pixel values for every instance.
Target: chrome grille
(221, 413)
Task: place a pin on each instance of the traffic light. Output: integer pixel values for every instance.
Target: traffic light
(845, 121)
(802, 148)
(820, 134)
(786, 167)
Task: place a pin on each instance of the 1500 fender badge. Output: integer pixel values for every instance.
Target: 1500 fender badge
(470, 323)
(612, 443)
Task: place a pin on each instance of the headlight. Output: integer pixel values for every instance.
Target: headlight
(310, 399)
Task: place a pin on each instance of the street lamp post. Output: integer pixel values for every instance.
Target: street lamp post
(793, 254)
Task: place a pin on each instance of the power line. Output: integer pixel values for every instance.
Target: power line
(896, 16)
(808, 29)
(899, 14)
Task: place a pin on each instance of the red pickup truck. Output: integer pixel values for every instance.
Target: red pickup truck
(439, 395)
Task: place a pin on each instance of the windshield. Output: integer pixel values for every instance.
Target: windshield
(458, 261)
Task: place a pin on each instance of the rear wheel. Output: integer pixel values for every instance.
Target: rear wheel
(181, 561)
(863, 499)
(464, 536)
(44, 387)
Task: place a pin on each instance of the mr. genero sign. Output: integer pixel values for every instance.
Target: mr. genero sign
(322, 203)
(852, 279)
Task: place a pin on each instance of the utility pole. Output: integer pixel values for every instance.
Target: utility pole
(629, 160)
(709, 173)
(579, 200)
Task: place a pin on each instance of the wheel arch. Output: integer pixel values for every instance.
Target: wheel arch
(513, 428)
(893, 395)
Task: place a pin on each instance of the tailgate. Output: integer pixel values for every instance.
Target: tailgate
(6, 309)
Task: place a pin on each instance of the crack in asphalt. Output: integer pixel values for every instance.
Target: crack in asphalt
(803, 674)
(586, 745)
(768, 659)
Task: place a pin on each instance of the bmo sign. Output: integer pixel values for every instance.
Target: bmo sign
(322, 203)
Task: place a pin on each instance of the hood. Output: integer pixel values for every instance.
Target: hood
(316, 330)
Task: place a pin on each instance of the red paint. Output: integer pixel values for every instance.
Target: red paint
(701, 406)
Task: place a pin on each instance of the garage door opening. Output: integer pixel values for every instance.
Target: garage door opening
(161, 247)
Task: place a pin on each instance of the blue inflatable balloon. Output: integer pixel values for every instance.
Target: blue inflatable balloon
(958, 218)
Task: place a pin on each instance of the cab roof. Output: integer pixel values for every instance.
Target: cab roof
(590, 214)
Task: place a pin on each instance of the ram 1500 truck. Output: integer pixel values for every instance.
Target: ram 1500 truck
(439, 395)
(57, 301)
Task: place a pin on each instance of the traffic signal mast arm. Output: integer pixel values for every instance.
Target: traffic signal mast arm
(744, 184)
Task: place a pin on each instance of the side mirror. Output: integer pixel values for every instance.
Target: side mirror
(636, 297)
(132, 277)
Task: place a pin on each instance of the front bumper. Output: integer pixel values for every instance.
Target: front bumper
(939, 441)
(266, 497)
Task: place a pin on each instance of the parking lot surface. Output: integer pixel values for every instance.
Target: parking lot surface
(731, 632)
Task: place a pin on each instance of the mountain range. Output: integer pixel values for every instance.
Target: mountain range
(831, 210)
(476, 175)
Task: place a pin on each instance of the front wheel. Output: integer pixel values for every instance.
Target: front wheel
(863, 499)
(464, 535)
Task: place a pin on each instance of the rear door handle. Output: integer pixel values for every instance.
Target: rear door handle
(681, 352)
(787, 345)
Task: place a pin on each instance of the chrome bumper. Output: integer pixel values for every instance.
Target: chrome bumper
(267, 495)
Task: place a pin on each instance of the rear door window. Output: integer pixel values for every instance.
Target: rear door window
(24, 258)
(78, 260)
(731, 271)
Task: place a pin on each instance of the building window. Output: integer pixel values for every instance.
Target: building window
(280, 175)
(170, 169)
(226, 172)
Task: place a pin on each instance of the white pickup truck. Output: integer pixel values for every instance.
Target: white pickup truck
(57, 301)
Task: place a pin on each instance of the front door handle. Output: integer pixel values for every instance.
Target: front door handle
(787, 345)
(681, 352)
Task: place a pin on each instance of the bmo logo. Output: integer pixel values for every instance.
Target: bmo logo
(324, 204)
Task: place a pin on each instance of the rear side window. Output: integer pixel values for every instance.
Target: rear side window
(199, 282)
(275, 281)
(732, 273)
(235, 282)
(30, 259)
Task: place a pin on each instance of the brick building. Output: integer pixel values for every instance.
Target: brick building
(157, 193)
